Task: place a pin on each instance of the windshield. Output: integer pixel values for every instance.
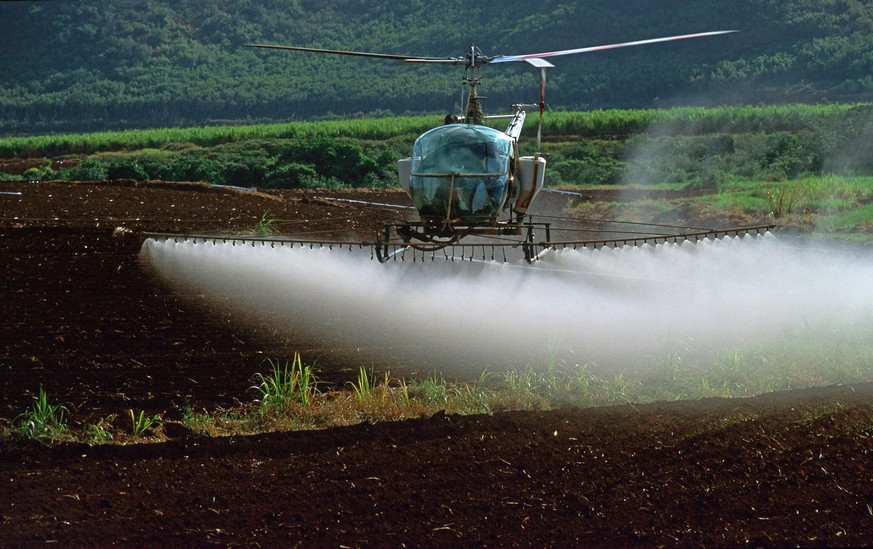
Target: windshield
(460, 171)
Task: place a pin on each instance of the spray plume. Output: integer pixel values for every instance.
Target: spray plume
(613, 307)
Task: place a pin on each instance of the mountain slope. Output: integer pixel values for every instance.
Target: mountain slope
(123, 63)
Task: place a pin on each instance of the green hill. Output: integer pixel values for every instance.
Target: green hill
(96, 64)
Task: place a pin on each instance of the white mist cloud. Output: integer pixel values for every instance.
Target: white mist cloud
(615, 307)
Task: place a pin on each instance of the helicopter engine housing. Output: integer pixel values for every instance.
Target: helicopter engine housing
(530, 177)
(404, 170)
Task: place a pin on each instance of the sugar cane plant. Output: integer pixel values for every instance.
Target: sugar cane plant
(43, 419)
(285, 384)
(141, 423)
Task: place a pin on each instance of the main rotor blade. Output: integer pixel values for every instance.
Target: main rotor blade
(526, 57)
(393, 57)
(535, 59)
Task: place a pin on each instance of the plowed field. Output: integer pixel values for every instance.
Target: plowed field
(83, 319)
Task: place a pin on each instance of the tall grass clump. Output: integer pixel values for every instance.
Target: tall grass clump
(266, 225)
(100, 432)
(430, 390)
(140, 424)
(475, 398)
(364, 387)
(43, 419)
(285, 384)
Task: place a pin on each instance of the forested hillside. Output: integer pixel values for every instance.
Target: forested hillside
(94, 64)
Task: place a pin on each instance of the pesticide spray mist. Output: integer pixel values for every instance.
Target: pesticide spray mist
(616, 308)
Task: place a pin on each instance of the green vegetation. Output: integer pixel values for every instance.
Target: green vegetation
(836, 205)
(364, 387)
(283, 386)
(308, 162)
(698, 148)
(797, 165)
(43, 420)
(371, 129)
(287, 398)
(266, 225)
(85, 65)
(100, 432)
(140, 424)
(703, 147)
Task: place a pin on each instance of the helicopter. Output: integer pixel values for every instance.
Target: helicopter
(465, 178)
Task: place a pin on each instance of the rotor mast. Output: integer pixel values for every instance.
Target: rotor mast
(473, 113)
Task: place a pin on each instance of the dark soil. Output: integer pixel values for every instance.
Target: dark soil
(81, 318)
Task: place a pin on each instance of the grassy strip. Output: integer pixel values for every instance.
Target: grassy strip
(823, 205)
(288, 398)
(615, 122)
(207, 136)
(700, 120)
(696, 147)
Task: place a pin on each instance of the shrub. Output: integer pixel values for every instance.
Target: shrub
(41, 173)
(10, 177)
(89, 169)
(288, 176)
(126, 169)
(333, 159)
(194, 167)
(322, 182)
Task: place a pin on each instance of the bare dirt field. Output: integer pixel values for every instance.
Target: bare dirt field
(82, 318)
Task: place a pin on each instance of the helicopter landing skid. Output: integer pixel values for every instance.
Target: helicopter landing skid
(429, 238)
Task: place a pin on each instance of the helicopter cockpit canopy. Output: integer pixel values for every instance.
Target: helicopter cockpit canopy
(460, 173)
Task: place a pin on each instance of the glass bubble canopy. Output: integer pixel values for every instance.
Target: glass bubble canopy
(460, 174)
